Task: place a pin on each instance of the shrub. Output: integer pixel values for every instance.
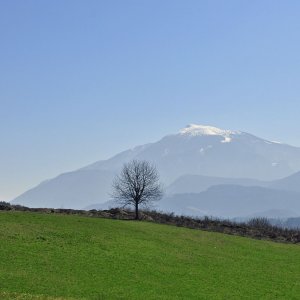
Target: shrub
(259, 223)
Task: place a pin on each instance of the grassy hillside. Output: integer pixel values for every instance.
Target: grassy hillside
(70, 257)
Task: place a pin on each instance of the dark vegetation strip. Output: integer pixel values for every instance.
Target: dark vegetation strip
(258, 228)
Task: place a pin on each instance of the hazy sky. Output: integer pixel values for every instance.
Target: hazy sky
(83, 80)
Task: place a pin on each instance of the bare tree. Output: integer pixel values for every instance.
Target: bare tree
(137, 184)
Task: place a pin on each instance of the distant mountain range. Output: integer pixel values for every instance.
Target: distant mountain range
(227, 198)
(206, 170)
(200, 183)
(229, 201)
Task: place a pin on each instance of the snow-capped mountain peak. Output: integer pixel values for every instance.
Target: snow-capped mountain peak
(203, 130)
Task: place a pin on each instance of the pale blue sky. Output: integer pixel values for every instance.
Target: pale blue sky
(83, 80)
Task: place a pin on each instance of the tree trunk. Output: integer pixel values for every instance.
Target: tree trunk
(136, 211)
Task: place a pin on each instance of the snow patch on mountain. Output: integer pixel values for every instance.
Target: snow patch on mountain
(276, 142)
(227, 139)
(203, 130)
(194, 129)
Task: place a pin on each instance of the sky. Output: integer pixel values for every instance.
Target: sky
(83, 80)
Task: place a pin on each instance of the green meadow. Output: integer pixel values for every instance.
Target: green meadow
(71, 257)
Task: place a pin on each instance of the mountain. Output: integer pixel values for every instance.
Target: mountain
(281, 214)
(69, 190)
(229, 201)
(290, 183)
(196, 149)
(200, 183)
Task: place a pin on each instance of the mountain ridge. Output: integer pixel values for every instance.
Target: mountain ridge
(195, 149)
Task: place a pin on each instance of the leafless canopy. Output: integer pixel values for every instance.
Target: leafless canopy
(138, 183)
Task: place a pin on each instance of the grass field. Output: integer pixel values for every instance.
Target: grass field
(68, 257)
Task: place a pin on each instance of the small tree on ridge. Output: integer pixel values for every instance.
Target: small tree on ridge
(137, 184)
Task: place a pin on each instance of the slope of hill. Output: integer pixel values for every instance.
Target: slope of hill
(290, 183)
(89, 258)
(69, 190)
(196, 149)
